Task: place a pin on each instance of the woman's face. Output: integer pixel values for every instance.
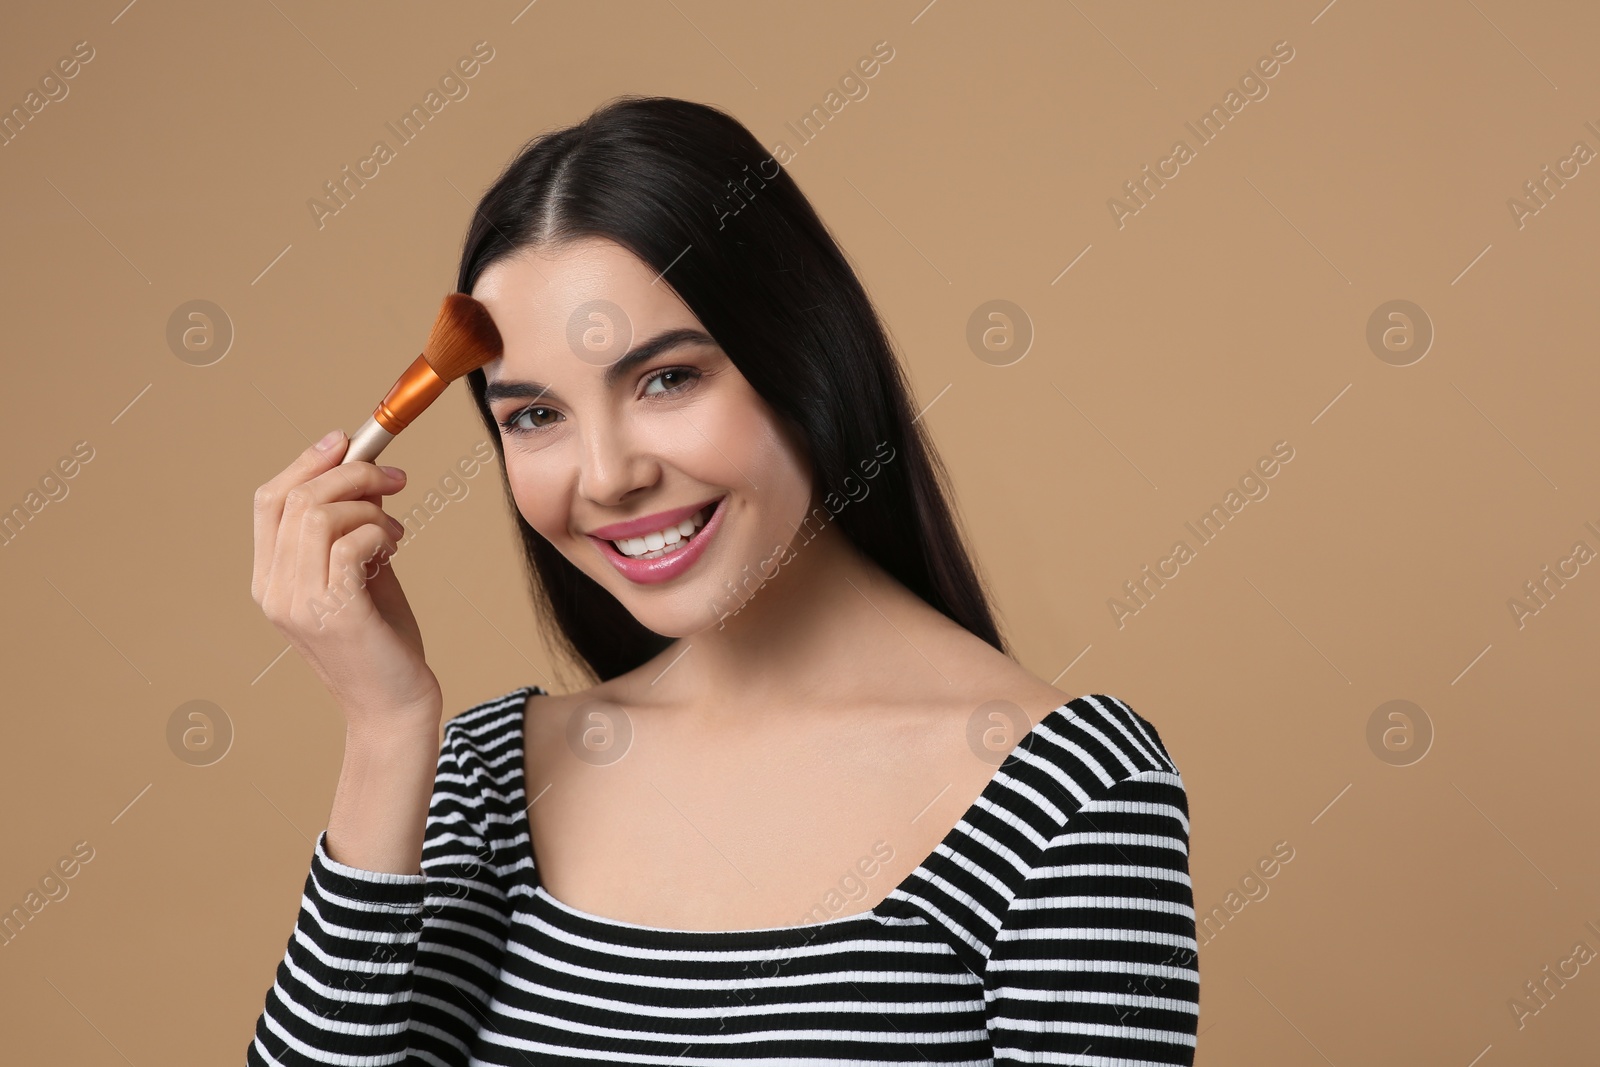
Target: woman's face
(615, 406)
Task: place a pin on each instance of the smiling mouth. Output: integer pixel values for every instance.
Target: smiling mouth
(667, 540)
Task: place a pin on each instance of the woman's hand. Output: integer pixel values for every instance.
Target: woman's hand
(322, 548)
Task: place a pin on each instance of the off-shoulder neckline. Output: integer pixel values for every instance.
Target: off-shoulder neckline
(1055, 718)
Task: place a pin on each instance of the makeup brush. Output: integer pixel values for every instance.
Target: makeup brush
(464, 338)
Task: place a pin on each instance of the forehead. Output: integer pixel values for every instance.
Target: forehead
(538, 297)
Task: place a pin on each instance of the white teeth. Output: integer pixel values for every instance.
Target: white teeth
(664, 541)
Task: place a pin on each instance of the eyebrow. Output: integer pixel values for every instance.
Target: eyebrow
(505, 388)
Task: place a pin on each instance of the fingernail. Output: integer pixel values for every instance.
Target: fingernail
(396, 526)
(394, 472)
(330, 440)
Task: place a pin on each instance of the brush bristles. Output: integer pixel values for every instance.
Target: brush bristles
(464, 338)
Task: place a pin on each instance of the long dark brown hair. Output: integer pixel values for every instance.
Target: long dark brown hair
(685, 186)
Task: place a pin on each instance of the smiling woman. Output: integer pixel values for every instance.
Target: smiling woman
(609, 448)
(606, 874)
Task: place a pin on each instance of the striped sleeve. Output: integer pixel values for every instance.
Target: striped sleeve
(390, 968)
(1096, 960)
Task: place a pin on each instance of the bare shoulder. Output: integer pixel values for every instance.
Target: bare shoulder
(547, 717)
(973, 672)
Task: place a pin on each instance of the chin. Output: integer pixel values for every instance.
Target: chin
(678, 625)
(701, 600)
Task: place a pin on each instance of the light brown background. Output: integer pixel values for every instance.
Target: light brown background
(1229, 314)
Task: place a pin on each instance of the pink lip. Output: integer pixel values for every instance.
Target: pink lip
(647, 523)
(662, 568)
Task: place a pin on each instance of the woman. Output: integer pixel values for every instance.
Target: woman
(801, 702)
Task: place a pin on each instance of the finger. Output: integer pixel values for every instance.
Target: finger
(321, 529)
(354, 480)
(384, 588)
(269, 500)
(351, 483)
(354, 560)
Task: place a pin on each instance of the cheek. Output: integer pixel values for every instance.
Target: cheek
(751, 447)
(538, 495)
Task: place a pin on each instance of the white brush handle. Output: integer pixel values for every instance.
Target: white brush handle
(367, 442)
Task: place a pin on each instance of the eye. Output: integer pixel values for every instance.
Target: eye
(686, 377)
(510, 425)
(674, 380)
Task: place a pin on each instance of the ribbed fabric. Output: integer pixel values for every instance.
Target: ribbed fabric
(1053, 924)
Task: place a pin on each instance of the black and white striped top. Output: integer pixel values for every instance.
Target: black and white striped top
(1053, 924)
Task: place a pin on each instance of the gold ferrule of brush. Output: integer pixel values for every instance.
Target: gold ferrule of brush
(409, 397)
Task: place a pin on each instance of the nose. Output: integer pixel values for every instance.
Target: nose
(611, 466)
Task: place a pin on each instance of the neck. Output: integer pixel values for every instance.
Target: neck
(808, 635)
